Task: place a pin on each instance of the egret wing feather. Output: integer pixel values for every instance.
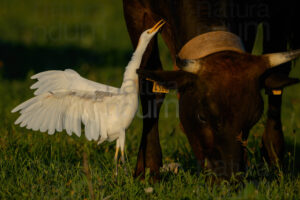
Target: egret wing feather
(67, 80)
(65, 109)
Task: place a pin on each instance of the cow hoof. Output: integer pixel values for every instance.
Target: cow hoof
(152, 177)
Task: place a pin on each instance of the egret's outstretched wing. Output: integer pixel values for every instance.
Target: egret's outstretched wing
(67, 80)
(59, 110)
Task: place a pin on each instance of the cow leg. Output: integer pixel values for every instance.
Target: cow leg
(275, 41)
(149, 155)
(273, 140)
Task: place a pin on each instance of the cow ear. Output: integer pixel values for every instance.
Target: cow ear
(168, 79)
(278, 81)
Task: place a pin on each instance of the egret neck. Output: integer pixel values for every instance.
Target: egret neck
(130, 80)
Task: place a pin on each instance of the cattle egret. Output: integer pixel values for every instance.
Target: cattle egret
(63, 100)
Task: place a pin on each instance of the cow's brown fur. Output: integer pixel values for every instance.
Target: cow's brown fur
(212, 111)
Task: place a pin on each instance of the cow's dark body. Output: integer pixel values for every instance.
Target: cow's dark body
(185, 20)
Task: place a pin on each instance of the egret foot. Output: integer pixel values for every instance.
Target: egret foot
(116, 162)
(119, 162)
(124, 162)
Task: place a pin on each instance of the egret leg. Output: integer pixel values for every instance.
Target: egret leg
(123, 161)
(116, 157)
(122, 146)
(122, 156)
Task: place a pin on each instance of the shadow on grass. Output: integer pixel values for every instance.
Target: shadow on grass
(257, 170)
(291, 162)
(17, 59)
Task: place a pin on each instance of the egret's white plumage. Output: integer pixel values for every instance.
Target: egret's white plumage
(64, 100)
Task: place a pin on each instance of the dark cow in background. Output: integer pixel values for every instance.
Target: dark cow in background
(219, 86)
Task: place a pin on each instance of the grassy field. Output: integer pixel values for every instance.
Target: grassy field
(91, 37)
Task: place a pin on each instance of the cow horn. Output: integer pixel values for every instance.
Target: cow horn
(276, 59)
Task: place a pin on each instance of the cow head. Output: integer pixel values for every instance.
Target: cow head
(220, 101)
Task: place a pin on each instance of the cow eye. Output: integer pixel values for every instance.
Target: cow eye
(201, 118)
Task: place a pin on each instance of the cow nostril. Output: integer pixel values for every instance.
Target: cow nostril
(201, 118)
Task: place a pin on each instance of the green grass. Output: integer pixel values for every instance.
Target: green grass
(34, 165)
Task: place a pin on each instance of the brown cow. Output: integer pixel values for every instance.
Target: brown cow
(219, 83)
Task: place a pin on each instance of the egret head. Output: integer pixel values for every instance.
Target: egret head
(148, 34)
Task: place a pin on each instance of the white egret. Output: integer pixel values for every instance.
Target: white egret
(63, 100)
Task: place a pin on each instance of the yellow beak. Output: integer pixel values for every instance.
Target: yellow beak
(157, 26)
